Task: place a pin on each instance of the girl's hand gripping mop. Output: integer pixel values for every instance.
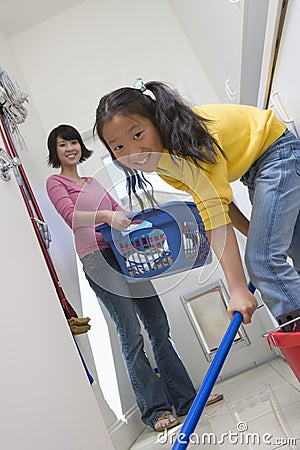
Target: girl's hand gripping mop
(210, 378)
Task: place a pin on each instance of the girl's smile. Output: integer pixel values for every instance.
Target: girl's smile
(134, 141)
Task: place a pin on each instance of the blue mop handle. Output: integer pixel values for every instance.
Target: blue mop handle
(208, 383)
(91, 379)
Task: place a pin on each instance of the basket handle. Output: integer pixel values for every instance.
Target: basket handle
(138, 226)
(281, 326)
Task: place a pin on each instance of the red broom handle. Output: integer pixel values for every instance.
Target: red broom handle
(10, 148)
(13, 153)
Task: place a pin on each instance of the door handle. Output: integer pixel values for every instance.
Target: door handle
(232, 95)
(276, 103)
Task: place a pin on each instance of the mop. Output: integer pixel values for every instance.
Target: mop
(209, 380)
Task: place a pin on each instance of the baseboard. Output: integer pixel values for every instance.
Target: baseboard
(124, 432)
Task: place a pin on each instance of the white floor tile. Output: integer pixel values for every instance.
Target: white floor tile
(260, 410)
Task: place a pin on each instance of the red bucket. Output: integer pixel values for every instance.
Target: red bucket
(289, 344)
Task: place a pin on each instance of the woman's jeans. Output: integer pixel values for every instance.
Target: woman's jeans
(154, 394)
(274, 234)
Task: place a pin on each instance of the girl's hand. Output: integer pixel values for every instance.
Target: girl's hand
(243, 302)
(118, 220)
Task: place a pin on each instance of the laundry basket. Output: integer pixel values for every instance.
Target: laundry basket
(161, 241)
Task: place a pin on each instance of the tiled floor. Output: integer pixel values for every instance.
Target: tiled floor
(260, 410)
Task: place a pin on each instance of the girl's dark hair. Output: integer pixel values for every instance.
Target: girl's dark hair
(68, 133)
(183, 132)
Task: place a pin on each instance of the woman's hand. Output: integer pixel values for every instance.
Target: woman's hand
(118, 220)
(244, 302)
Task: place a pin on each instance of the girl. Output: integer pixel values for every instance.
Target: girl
(201, 150)
(82, 203)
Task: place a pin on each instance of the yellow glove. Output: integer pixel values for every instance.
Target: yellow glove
(79, 325)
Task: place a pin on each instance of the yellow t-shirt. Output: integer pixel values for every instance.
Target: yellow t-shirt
(244, 133)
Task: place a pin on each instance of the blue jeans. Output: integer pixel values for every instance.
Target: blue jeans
(274, 234)
(154, 395)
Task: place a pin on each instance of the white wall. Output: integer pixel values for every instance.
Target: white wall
(46, 399)
(228, 38)
(70, 60)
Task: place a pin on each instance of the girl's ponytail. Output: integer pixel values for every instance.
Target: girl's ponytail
(183, 132)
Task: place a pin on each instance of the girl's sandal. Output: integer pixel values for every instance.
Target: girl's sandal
(165, 422)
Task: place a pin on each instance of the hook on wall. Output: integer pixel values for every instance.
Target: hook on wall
(6, 164)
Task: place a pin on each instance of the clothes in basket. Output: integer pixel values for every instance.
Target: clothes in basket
(161, 241)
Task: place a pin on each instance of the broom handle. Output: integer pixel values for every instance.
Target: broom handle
(208, 383)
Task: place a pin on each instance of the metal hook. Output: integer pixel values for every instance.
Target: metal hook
(6, 164)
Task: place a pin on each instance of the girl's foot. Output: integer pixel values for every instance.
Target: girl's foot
(165, 422)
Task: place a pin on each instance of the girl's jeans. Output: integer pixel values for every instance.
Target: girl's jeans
(274, 234)
(139, 300)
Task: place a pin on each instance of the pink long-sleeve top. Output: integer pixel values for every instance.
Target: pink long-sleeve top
(68, 197)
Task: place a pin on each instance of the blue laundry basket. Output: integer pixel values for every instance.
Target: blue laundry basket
(161, 241)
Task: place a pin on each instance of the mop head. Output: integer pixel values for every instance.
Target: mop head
(12, 100)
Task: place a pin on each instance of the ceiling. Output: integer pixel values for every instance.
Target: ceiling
(17, 15)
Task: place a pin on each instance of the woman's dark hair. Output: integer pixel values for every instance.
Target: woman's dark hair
(68, 133)
(183, 132)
